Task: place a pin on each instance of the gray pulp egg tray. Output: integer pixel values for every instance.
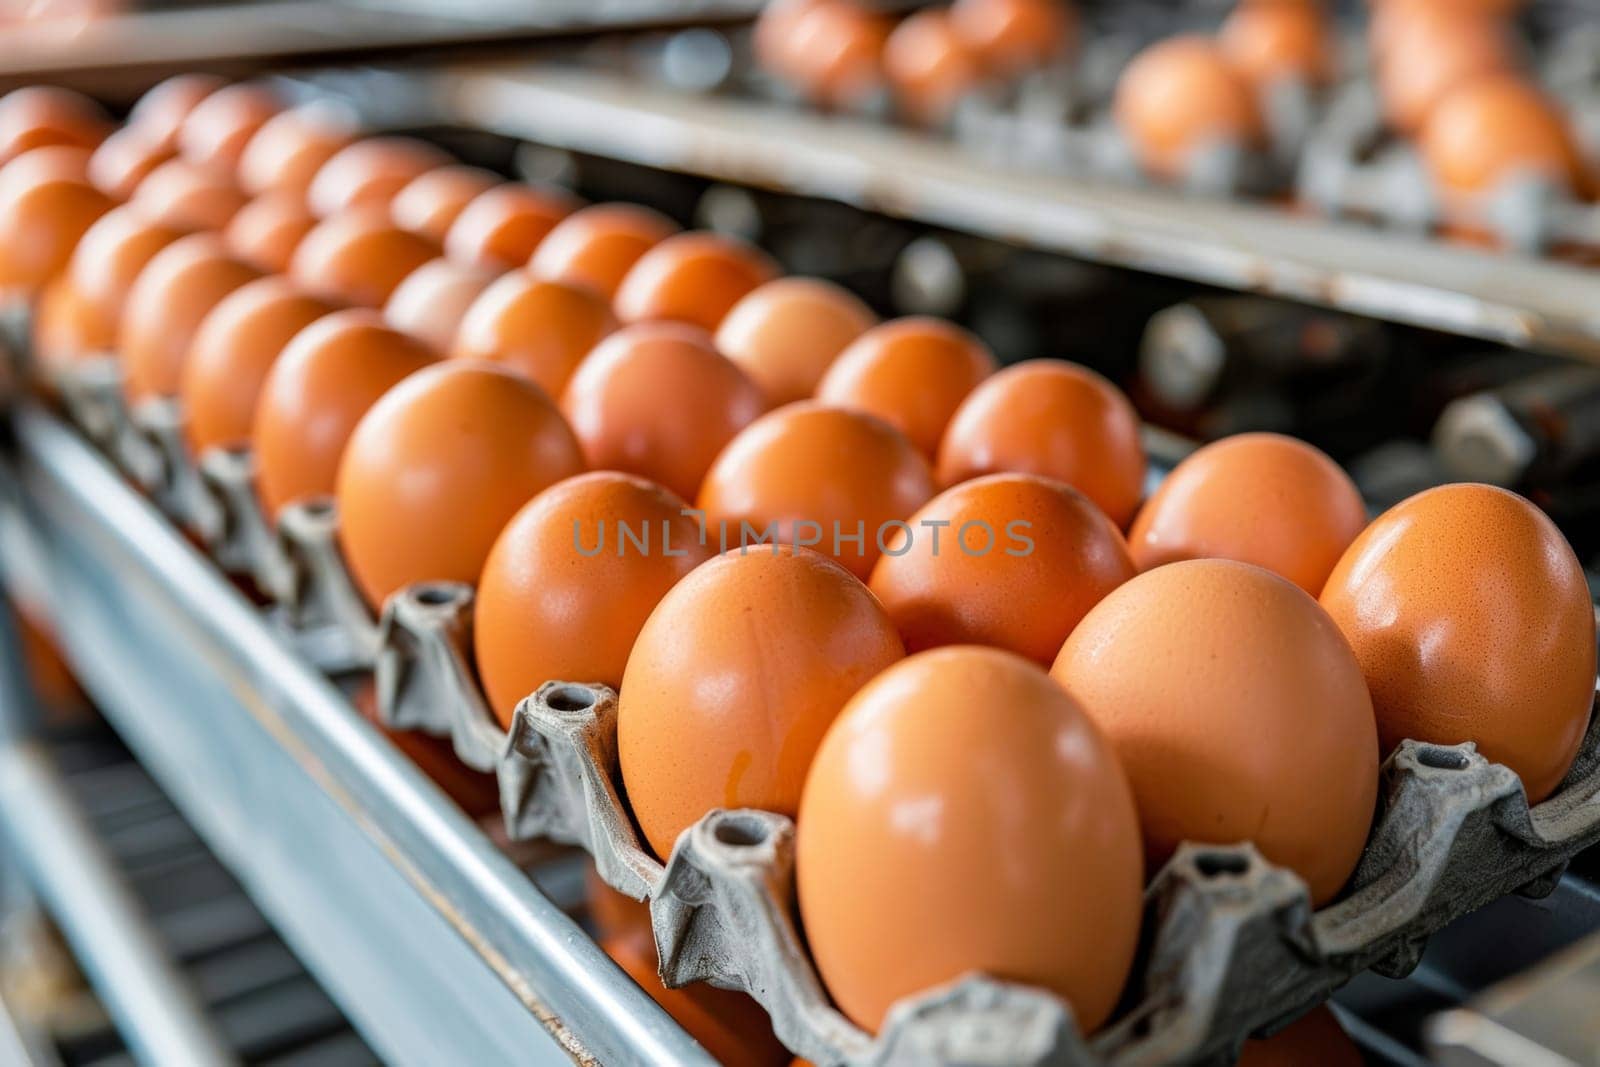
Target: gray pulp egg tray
(1232, 945)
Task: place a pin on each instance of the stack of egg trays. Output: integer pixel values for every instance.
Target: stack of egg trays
(1232, 945)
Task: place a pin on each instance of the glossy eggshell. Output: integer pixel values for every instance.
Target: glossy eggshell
(266, 231)
(370, 173)
(160, 112)
(233, 350)
(735, 678)
(1496, 128)
(433, 299)
(786, 333)
(432, 201)
(1239, 713)
(188, 196)
(1012, 37)
(1258, 498)
(1009, 560)
(1436, 56)
(835, 51)
(448, 456)
(1472, 621)
(67, 328)
(596, 246)
(963, 814)
(321, 384)
(219, 126)
(692, 277)
(657, 400)
(572, 579)
(124, 159)
(1180, 96)
(289, 148)
(773, 29)
(541, 329)
(913, 373)
(809, 471)
(1270, 40)
(174, 293)
(501, 228)
(1314, 1040)
(112, 255)
(46, 206)
(358, 257)
(38, 116)
(929, 67)
(1051, 418)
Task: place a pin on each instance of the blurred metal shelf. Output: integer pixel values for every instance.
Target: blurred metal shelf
(1532, 303)
(433, 942)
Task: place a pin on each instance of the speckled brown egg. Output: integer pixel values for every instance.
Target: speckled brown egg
(112, 255)
(219, 126)
(358, 257)
(1051, 418)
(615, 403)
(786, 333)
(174, 293)
(538, 328)
(913, 373)
(160, 112)
(448, 455)
(571, 580)
(733, 681)
(433, 299)
(289, 148)
(46, 205)
(233, 350)
(1259, 498)
(189, 196)
(41, 115)
(1239, 713)
(370, 173)
(838, 481)
(694, 278)
(1179, 97)
(1012, 37)
(321, 384)
(501, 228)
(124, 159)
(929, 67)
(964, 815)
(432, 201)
(1472, 621)
(596, 246)
(266, 231)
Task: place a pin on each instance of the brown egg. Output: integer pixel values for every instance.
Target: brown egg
(160, 112)
(786, 333)
(46, 205)
(1051, 418)
(234, 348)
(172, 296)
(1472, 621)
(1009, 560)
(266, 232)
(124, 159)
(838, 481)
(358, 257)
(835, 53)
(1272, 40)
(1431, 57)
(41, 115)
(289, 148)
(773, 29)
(1239, 713)
(596, 246)
(913, 373)
(433, 200)
(1495, 128)
(963, 814)
(1258, 498)
(694, 278)
(218, 127)
(315, 394)
(1314, 1040)
(1180, 96)
(112, 255)
(929, 67)
(370, 173)
(730, 1026)
(657, 400)
(1012, 37)
(571, 580)
(67, 328)
(187, 196)
(448, 456)
(476, 793)
(734, 679)
(500, 229)
(538, 328)
(433, 299)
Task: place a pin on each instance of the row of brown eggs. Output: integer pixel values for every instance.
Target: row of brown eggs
(1190, 667)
